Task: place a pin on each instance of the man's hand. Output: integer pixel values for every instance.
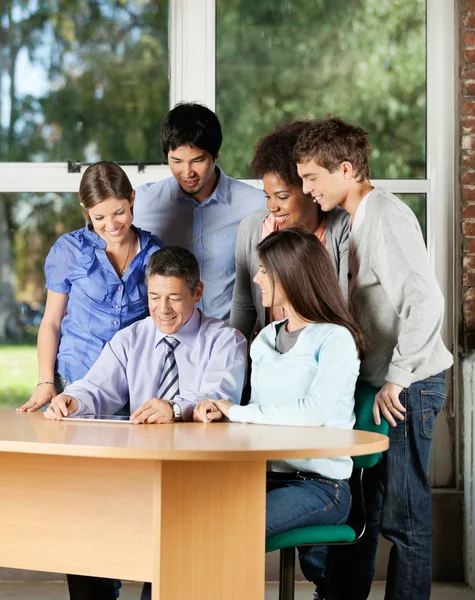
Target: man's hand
(61, 406)
(153, 411)
(388, 404)
(205, 411)
(223, 406)
(42, 396)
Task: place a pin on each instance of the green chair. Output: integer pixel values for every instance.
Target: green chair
(326, 535)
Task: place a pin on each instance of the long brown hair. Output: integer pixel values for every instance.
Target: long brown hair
(101, 181)
(301, 265)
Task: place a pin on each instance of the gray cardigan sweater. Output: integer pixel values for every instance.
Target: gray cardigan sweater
(396, 296)
(247, 307)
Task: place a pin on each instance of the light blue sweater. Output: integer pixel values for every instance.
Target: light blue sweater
(312, 384)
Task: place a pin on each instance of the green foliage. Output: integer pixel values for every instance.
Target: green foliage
(18, 374)
(363, 60)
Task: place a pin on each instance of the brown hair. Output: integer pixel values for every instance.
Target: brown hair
(299, 262)
(101, 181)
(331, 141)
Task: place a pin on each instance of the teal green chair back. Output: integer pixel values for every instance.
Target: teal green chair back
(364, 400)
(340, 534)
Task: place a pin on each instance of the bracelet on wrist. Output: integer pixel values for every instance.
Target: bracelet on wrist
(45, 382)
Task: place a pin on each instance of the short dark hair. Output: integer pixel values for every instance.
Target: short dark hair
(331, 141)
(299, 262)
(100, 181)
(191, 124)
(274, 154)
(174, 261)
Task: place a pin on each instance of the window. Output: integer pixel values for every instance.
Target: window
(363, 60)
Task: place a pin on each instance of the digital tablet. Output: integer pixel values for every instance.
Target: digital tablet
(100, 419)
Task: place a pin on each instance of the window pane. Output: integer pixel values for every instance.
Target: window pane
(363, 60)
(83, 80)
(29, 226)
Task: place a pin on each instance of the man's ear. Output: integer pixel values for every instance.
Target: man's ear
(132, 198)
(346, 169)
(198, 291)
(216, 157)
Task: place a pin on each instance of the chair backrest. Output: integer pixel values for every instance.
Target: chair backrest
(364, 400)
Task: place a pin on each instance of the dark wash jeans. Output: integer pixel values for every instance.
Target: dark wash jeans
(398, 499)
(294, 503)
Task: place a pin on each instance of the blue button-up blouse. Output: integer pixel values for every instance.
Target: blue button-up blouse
(100, 303)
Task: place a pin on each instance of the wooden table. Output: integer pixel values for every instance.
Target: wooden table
(181, 505)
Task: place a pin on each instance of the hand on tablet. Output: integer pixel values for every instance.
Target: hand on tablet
(153, 411)
(205, 411)
(61, 406)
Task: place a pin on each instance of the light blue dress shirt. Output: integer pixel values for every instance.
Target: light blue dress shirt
(100, 302)
(211, 360)
(313, 384)
(208, 229)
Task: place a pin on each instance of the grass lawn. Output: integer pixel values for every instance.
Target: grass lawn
(18, 374)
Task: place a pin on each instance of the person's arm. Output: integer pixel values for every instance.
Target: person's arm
(48, 341)
(223, 378)
(343, 244)
(401, 262)
(338, 367)
(104, 389)
(243, 312)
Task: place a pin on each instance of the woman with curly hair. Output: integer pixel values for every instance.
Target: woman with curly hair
(287, 206)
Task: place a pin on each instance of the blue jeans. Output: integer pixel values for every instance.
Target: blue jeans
(398, 500)
(294, 503)
(297, 503)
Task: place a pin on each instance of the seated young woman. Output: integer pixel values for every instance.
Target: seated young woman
(304, 371)
(287, 206)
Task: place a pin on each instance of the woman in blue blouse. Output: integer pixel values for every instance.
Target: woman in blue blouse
(97, 275)
(304, 371)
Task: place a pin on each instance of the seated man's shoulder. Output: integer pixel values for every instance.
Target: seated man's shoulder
(137, 332)
(221, 331)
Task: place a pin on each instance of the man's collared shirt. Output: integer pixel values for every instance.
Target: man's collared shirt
(211, 360)
(208, 229)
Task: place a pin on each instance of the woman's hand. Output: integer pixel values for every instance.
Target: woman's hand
(223, 405)
(206, 411)
(61, 406)
(42, 396)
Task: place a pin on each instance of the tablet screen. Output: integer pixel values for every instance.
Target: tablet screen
(100, 418)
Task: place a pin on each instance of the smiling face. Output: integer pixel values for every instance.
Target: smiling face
(288, 204)
(194, 169)
(171, 302)
(328, 189)
(111, 219)
(272, 295)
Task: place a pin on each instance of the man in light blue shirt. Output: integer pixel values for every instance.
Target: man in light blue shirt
(167, 363)
(200, 207)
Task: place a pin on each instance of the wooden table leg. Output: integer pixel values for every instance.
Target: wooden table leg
(209, 526)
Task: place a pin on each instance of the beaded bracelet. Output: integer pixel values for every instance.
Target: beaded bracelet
(45, 382)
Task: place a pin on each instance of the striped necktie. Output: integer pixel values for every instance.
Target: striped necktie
(169, 387)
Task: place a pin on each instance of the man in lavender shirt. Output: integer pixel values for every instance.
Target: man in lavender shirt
(166, 363)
